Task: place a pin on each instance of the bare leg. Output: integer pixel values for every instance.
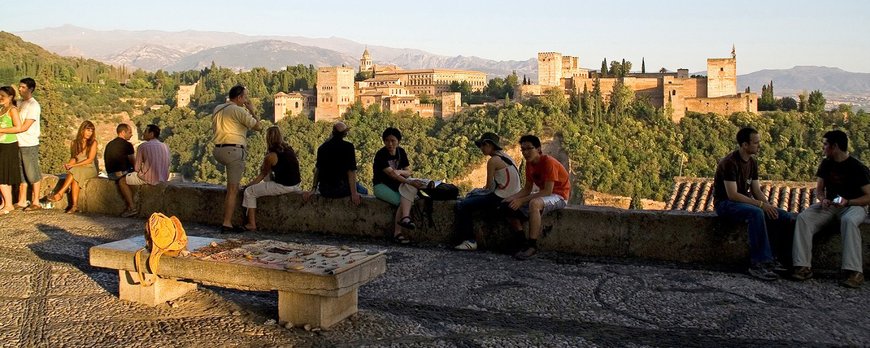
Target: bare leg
(60, 192)
(126, 192)
(535, 208)
(6, 192)
(22, 195)
(230, 203)
(74, 197)
(34, 196)
(252, 219)
(396, 228)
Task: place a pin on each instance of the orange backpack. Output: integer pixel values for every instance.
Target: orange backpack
(163, 235)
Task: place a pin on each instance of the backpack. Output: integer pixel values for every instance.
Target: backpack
(163, 235)
(439, 192)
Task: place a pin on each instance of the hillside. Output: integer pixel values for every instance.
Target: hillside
(271, 54)
(788, 82)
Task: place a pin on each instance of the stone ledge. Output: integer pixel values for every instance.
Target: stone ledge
(582, 230)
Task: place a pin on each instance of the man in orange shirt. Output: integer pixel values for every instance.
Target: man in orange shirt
(553, 191)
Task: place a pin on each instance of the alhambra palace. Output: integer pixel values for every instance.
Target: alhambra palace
(426, 92)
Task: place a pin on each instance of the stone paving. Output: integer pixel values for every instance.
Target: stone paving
(429, 297)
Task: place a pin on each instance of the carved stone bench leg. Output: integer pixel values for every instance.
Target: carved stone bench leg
(318, 311)
(130, 289)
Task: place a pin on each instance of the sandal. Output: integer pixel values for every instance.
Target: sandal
(407, 223)
(52, 199)
(71, 210)
(232, 229)
(401, 239)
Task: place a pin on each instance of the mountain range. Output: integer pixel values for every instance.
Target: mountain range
(177, 51)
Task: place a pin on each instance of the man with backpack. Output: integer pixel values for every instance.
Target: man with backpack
(554, 189)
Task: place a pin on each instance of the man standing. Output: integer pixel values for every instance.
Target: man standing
(554, 189)
(335, 169)
(28, 142)
(151, 167)
(118, 154)
(737, 197)
(231, 122)
(843, 191)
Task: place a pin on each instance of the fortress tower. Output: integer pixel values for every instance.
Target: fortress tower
(722, 76)
(365, 63)
(335, 92)
(549, 68)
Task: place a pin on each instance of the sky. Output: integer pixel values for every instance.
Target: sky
(672, 34)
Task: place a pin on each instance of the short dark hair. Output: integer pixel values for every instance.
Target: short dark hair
(122, 126)
(392, 131)
(153, 129)
(236, 91)
(744, 134)
(839, 138)
(29, 82)
(528, 138)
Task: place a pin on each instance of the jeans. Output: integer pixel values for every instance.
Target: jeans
(466, 207)
(758, 221)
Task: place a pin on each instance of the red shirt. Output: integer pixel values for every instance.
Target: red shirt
(549, 169)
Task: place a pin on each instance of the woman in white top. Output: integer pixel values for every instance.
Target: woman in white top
(502, 180)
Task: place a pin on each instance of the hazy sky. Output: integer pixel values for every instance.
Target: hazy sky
(672, 34)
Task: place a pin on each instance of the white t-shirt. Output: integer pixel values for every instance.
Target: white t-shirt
(31, 110)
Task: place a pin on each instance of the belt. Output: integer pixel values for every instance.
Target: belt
(230, 145)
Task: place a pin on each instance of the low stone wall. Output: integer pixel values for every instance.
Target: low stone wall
(582, 230)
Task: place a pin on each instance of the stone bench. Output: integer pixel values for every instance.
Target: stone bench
(320, 298)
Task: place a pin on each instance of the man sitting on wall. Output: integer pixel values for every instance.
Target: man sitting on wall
(118, 155)
(737, 197)
(554, 189)
(335, 168)
(151, 167)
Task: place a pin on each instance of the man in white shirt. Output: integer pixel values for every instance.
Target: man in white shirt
(28, 142)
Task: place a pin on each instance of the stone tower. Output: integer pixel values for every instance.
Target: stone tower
(335, 92)
(722, 76)
(549, 68)
(365, 63)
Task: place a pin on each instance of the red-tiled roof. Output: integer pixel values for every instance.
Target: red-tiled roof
(696, 194)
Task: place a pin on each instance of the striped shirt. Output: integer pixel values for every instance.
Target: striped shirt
(152, 161)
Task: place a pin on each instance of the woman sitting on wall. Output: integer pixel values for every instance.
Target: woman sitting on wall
(80, 167)
(10, 159)
(393, 183)
(279, 174)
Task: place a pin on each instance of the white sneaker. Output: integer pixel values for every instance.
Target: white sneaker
(469, 245)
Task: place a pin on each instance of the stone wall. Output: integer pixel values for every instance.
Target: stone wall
(582, 230)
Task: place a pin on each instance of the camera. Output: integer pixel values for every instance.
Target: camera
(838, 200)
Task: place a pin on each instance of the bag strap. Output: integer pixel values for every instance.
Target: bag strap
(140, 269)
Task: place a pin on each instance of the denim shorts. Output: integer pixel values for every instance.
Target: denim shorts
(30, 164)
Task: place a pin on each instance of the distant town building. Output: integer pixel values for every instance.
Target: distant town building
(717, 92)
(365, 63)
(182, 96)
(294, 103)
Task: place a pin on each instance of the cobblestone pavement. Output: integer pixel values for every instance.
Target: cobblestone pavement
(429, 296)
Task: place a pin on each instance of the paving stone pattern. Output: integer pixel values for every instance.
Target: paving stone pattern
(429, 297)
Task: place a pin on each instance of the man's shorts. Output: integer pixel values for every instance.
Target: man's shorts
(30, 164)
(115, 176)
(234, 159)
(133, 179)
(551, 203)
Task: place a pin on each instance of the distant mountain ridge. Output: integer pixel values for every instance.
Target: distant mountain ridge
(789, 82)
(270, 54)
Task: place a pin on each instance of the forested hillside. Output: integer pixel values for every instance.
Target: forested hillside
(624, 147)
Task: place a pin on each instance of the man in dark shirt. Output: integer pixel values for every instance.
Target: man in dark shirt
(737, 196)
(118, 156)
(335, 168)
(843, 191)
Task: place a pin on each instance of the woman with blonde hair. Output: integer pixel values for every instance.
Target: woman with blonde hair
(80, 167)
(279, 174)
(10, 158)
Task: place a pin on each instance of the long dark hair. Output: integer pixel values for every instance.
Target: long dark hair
(275, 141)
(11, 93)
(76, 147)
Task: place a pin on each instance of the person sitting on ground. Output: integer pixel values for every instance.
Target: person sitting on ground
(118, 155)
(279, 174)
(843, 191)
(502, 181)
(335, 168)
(737, 197)
(391, 171)
(10, 157)
(554, 189)
(151, 167)
(80, 167)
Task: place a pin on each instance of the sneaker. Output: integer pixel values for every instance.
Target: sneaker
(776, 266)
(469, 245)
(854, 280)
(129, 213)
(761, 271)
(802, 273)
(526, 254)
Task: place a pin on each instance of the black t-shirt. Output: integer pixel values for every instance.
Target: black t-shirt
(116, 156)
(382, 161)
(334, 159)
(286, 171)
(734, 168)
(843, 179)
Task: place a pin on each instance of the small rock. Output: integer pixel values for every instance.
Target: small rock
(213, 244)
(269, 322)
(237, 313)
(172, 304)
(307, 327)
(315, 329)
(185, 253)
(288, 325)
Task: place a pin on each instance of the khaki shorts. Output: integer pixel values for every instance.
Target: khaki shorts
(234, 160)
(551, 203)
(133, 179)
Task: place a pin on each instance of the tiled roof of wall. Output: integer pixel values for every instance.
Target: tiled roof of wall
(696, 194)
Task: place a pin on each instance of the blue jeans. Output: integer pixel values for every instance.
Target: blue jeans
(466, 207)
(758, 223)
